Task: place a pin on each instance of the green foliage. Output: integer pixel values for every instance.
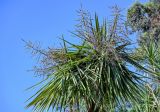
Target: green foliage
(93, 76)
(155, 1)
(150, 102)
(145, 19)
(151, 99)
(136, 17)
(100, 74)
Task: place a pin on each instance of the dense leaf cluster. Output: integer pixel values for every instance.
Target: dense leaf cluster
(145, 18)
(100, 74)
(94, 75)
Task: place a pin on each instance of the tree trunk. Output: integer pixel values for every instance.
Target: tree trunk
(92, 108)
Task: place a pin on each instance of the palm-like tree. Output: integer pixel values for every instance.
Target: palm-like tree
(144, 18)
(94, 76)
(150, 58)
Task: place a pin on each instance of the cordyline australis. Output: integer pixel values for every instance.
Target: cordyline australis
(92, 76)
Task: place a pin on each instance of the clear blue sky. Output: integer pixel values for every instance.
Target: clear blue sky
(35, 20)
